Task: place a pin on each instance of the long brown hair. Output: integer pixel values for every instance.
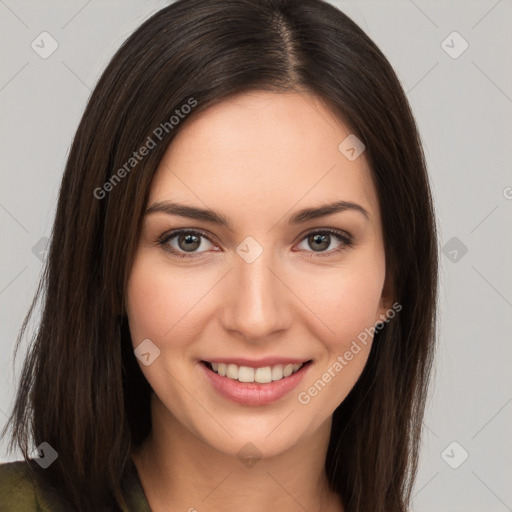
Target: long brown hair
(81, 389)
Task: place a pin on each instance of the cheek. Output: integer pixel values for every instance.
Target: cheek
(161, 306)
(345, 302)
(160, 302)
(347, 305)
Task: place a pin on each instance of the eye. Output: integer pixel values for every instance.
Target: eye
(321, 240)
(185, 243)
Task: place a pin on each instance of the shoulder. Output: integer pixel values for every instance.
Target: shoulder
(24, 488)
(17, 490)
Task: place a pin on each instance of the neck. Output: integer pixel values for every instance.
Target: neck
(177, 469)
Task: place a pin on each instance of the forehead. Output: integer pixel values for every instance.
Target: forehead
(266, 150)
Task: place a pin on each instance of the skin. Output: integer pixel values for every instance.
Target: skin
(255, 158)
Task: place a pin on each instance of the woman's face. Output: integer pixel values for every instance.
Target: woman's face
(267, 288)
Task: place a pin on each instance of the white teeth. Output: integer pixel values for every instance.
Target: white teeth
(262, 375)
(245, 374)
(287, 370)
(277, 372)
(232, 371)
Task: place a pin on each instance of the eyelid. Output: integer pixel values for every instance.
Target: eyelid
(179, 231)
(332, 231)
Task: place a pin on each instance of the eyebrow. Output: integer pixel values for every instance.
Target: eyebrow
(299, 217)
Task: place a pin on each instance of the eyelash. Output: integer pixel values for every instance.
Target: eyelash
(343, 237)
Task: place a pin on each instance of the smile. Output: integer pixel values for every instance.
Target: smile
(262, 383)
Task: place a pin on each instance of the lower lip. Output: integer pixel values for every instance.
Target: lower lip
(253, 393)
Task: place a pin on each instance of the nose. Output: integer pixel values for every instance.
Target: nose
(257, 302)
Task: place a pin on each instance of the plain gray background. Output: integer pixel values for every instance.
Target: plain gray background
(463, 105)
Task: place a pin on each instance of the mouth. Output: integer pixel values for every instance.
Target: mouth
(258, 384)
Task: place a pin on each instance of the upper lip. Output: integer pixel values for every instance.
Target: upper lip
(257, 363)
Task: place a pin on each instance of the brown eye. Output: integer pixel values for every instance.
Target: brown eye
(186, 243)
(320, 242)
(189, 242)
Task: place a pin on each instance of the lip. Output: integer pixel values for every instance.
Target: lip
(253, 393)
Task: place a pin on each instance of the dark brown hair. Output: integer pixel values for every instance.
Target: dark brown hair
(81, 389)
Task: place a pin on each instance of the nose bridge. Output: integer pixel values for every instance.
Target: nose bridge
(258, 302)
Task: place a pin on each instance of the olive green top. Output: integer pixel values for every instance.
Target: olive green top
(22, 490)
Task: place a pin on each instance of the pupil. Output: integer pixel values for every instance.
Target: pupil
(192, 242)
(319, 241)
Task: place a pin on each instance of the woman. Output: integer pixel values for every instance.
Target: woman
(240, 295)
